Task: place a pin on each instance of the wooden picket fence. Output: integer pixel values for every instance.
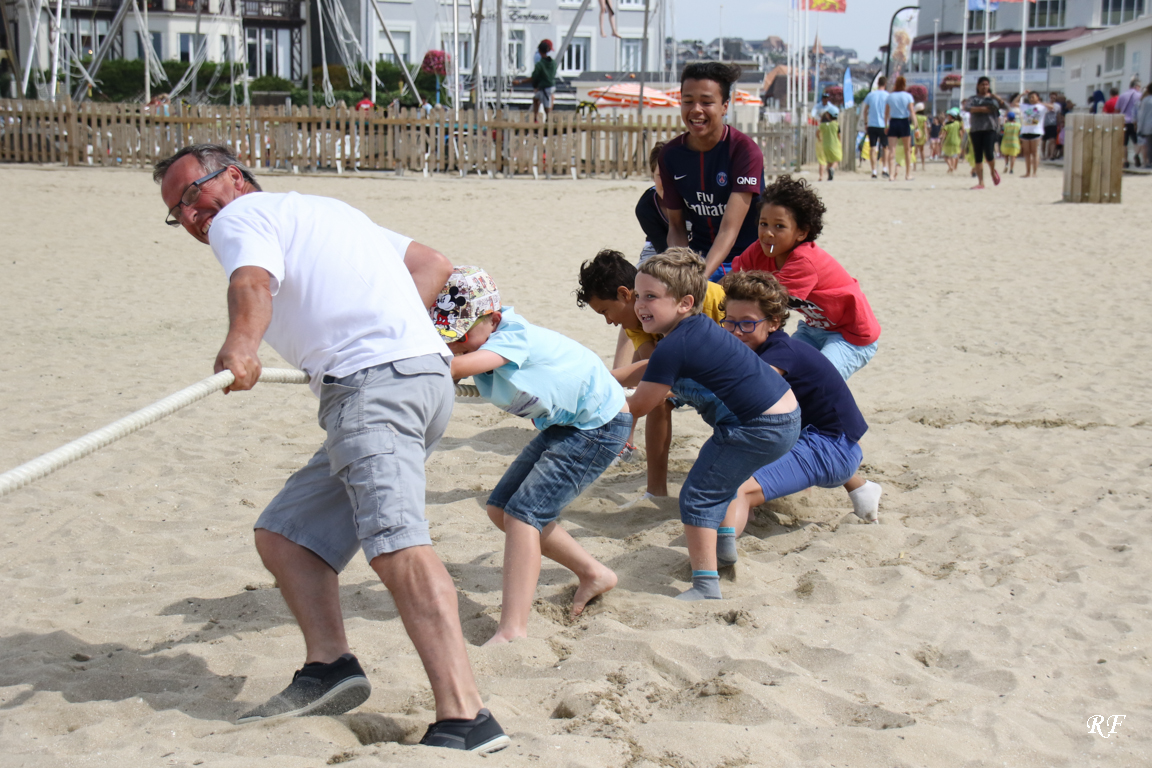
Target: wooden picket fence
(319, 139)
(1093, 158)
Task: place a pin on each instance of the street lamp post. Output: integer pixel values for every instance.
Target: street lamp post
(935, 61)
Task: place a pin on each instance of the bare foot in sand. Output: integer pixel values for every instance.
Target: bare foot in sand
(599, 583)
(503, 636)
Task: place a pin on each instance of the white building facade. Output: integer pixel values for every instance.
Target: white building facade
(939, 47)
(267, 34)
(271, 35)
(418, 26)
(1107, 58)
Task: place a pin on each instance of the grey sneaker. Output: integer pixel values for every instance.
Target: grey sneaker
(317, 689)
(481, 734)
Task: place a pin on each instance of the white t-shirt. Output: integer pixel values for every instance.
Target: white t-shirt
(342, 298)
(1032, 119)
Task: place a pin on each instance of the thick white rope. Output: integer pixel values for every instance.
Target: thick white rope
(93, 441)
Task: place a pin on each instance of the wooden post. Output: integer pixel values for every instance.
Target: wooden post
(1093, 158)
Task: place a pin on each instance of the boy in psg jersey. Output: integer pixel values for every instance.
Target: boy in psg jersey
(712, 174)
(669, 292)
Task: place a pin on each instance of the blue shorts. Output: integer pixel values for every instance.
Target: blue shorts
(816, 459)
(711, 408)
(721, 270)
(729, 458)
(846, 356)
(556, 467)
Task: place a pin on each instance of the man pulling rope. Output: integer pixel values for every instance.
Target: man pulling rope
(346, 301)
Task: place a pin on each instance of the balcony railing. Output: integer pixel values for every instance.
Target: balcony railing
(287, 10)
(271, 9)
(105, 5)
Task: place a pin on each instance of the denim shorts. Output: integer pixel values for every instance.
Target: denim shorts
(556, 467)
(816, 459)
(364, 489)
(846, 356)
(687, 392)
(729, 458)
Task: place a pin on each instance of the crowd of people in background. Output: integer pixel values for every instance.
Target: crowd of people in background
(984, 129)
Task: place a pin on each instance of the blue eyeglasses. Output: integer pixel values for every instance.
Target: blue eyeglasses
(744, 326)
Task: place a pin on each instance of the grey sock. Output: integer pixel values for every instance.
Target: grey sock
(705, 586)
(726, 547)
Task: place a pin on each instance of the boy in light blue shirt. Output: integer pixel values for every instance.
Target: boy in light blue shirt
(581, 411)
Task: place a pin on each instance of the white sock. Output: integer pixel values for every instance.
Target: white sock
(866, 502)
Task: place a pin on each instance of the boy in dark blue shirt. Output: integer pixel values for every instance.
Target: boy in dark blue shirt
(827, 454)
(670, 288)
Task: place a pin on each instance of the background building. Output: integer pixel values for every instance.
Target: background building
(1050, 23)
(270, 34)
(1107, 58)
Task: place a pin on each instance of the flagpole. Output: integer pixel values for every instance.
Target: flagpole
(1023, 42)
(790, 95)
(804, 49)
(987, 15)
(935, 64)
(816, 54)
(964, 53)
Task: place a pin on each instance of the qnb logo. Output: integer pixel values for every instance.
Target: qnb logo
(1097, 723)
(747, 180)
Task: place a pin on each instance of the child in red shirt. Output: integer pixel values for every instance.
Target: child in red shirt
(837, 318)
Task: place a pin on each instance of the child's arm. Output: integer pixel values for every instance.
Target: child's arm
(648, 395)
(624, 351)
(480, 361)
(630, 375)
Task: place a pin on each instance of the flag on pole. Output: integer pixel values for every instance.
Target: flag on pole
(829, 6)
(849, 94)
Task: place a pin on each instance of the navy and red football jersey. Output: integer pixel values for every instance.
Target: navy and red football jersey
(700, 183)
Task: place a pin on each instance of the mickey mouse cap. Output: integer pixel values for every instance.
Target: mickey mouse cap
(470, 294)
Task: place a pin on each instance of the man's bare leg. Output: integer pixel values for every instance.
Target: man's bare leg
(312, 591)
(426, 599)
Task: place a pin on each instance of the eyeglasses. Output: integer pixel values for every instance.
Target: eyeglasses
(744, 326)
(190, 196)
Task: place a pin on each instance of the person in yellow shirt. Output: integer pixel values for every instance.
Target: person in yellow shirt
(1010, 142)
(607, 285)
(921, 137)
(828, 150)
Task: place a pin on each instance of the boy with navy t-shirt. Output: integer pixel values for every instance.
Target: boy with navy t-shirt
(827, 454)
(669, 290)
(583, 420)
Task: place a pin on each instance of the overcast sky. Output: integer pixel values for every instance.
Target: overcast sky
(864, 26)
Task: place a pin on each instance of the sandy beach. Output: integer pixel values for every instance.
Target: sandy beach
(1001, 603)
